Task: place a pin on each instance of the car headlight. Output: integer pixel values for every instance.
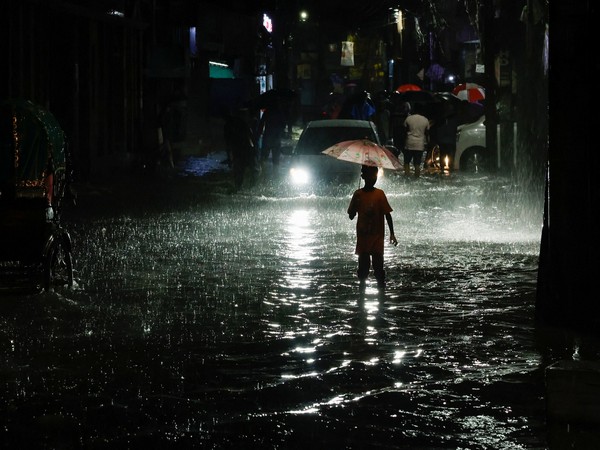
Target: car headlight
(299, 175)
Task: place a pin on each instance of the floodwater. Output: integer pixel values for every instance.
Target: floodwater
(206, 319)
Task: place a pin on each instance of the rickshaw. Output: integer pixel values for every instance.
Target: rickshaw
(34, 176)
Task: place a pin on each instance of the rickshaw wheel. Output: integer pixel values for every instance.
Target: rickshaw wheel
(58, 267)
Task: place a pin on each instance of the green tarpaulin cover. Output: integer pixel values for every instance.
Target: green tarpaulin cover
(30, 140)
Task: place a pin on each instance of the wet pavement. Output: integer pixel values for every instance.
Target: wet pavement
(204, 318)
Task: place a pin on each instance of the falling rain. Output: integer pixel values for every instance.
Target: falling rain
(201, 318)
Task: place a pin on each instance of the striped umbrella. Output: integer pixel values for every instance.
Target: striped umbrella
(471, 92)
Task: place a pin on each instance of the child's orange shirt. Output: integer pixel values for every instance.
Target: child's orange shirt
(371, 207)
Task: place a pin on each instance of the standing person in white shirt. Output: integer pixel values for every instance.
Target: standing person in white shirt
(417, 135)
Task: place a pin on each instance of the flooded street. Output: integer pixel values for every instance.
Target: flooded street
(205, 319)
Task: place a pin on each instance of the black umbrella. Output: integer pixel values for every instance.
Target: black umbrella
(415, 97)
(427, 101)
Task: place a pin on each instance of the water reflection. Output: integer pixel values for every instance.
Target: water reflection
(300, 245)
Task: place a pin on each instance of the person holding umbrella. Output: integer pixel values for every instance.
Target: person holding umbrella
(372, 206)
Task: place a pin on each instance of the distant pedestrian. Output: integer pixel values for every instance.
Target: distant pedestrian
(166, 132)
(382, 118)
(272, 126)
(417, 135)
(171, 116)
(372, 206)
(400, 111)
(362, 108)
(239, 141)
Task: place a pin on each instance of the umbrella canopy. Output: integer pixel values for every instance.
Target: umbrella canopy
(471, 92)
(363, 152)
(408, 87)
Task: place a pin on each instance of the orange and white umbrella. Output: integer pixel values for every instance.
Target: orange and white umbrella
(471, 92)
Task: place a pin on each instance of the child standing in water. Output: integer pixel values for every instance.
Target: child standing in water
(371, 205)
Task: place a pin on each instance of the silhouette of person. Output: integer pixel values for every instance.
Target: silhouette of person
(239, 141)
(417, 131)
(272, 126)
(363, 108)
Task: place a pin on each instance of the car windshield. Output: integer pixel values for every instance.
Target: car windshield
(314, 140)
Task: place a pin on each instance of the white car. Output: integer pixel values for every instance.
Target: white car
(309, 165)
(471, 154)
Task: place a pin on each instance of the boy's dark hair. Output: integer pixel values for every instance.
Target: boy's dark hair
(367, 169)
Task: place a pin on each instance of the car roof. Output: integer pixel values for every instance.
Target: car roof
(321, 134)
(340, 123)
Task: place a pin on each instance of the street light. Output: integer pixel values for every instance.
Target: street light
(303, 16)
